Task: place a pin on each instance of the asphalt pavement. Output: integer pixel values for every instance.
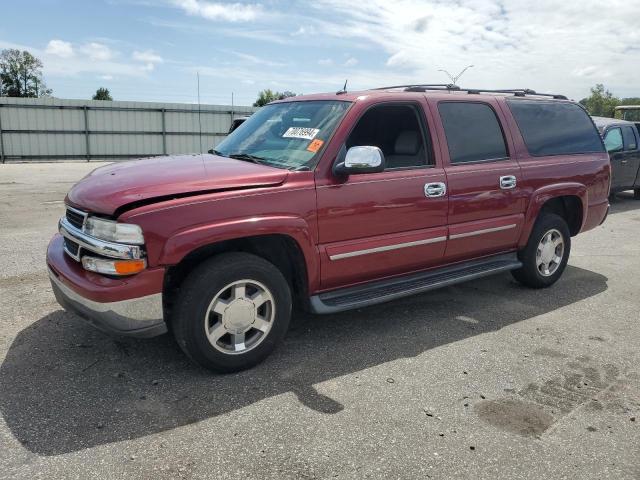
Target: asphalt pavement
(486, 379)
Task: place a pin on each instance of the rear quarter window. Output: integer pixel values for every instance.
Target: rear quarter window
(555, 128)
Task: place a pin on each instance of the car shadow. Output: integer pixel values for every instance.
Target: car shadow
(623, 202)
(66, 387)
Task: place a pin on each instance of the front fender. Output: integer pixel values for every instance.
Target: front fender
(544, 194)
(186, 241)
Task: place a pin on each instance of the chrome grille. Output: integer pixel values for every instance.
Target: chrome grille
(72, 249)
(76, 217)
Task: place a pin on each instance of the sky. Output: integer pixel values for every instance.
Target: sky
(153, 50)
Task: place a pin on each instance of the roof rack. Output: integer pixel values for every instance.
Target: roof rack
(422, 87)
(518, 92)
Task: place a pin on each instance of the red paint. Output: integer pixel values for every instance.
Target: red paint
(328, 216)
(97, 287)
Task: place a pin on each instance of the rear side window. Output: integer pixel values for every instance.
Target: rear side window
(473, 132)
(555, 128)
(630, 142)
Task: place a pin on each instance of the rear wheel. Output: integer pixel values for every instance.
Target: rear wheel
(232, 312)
(546, 254)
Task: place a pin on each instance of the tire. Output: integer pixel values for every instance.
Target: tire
(636, 194)
(550, 227)
(232, 284)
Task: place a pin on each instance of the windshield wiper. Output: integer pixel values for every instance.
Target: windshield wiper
(247, 157)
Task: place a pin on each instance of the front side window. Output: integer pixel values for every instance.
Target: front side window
(473, 132)
(396, 130)
(555, 128)
(629, 136)
(613, 140)
(285, 135)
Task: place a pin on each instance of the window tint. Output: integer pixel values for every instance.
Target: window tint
(613, 140)
(555, 128)
(473, 132)
(396, 130)
(630, 142)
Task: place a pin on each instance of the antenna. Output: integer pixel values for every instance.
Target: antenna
(199, 111)
(454, 78)
(344, 89)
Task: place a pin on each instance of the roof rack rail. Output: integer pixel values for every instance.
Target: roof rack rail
(518, 92)
(422, 87)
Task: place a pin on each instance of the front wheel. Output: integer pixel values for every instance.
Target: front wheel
(232, 312)
(546, 254)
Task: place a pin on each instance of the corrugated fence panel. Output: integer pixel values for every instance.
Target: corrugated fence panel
(52, 128)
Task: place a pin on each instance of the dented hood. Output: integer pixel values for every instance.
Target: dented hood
(111, 187)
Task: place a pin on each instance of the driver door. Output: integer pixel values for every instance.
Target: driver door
(382, 224)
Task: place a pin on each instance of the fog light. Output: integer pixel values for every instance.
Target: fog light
(113, 267)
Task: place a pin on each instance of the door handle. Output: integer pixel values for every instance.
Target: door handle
(437, 189)
(507, 182)
(623, 161)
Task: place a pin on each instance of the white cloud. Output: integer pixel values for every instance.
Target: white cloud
(350, 62)
(546, 45)
(252, 59)
(148, 57)
(325, 62)
(60, 48)
(230, 12)
(94, 58)
(97, 52)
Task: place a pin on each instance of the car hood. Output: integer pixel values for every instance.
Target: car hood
(114, 186)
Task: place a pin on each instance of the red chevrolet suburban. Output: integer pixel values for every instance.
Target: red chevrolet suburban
(329, 202)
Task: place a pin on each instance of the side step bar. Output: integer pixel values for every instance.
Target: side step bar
(385, 290)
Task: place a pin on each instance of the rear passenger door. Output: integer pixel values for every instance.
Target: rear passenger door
(486, 203)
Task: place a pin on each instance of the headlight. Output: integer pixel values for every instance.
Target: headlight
(114, 231)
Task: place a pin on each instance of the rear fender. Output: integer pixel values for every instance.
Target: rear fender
(543, 195)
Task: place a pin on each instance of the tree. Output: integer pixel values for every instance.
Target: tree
(102, 94)
(21, 75)
(268, 96)
(601, 103)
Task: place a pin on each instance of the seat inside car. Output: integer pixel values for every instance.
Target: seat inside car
(407, 152)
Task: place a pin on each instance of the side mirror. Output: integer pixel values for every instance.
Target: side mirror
(362, 159)
(210, 151)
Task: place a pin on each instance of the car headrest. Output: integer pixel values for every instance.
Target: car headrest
(407, 143)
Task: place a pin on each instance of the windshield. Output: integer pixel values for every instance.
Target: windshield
(285, 135)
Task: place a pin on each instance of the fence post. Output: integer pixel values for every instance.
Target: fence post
(164, 131)
(86, 131)
(1, 140)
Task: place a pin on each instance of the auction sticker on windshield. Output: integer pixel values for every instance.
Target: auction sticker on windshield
(301, 132)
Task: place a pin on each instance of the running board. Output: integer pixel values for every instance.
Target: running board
(385, 290)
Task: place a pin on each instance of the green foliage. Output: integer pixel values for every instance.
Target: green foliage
(21, 75)
(602, 102)
(268, 96)
(102, 94)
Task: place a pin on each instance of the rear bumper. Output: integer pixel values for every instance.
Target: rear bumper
(130, 306)
(596, 215)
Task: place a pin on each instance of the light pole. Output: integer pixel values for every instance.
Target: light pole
(454, 79)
